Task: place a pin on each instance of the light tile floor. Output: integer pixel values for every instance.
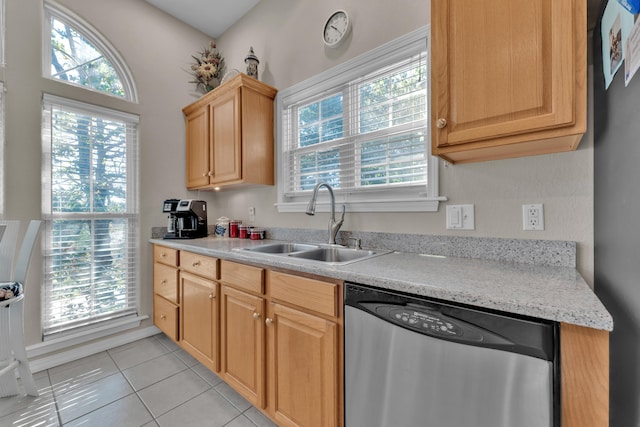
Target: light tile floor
(151, 382)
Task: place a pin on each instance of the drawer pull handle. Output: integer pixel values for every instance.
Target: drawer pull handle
(441, 123)
(256, 315)
(196, 264)
(268, 321)
(163, 255)
(163, 281)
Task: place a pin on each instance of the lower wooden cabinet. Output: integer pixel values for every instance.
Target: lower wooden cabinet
(274, 337)
(199, 319)
(303, 368)
(242, 343)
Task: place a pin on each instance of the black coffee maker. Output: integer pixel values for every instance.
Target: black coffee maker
(187, 218)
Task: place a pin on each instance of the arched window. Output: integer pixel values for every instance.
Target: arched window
(77, 54)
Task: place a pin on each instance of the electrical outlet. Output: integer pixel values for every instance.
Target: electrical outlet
(533, 217)
(252, 214)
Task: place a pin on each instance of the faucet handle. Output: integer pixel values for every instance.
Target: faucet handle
(358, 242)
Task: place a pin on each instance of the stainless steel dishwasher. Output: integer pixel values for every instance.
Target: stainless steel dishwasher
(413, 362)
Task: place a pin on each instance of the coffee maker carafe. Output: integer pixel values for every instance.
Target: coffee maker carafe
(187, 218)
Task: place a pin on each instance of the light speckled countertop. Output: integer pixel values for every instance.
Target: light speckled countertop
(547, 292)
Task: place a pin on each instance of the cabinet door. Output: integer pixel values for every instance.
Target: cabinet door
(303, 379)
(226, 134)
(242, 344)
(199, 319)
(502, 68)
(198, 142)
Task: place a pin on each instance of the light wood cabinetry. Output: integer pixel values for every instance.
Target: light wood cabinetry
(584, 367)
(230, 138)
(242, 332)
(199, 311)
(281, 341)
(166, 298)
(508, 78)
(305, 387)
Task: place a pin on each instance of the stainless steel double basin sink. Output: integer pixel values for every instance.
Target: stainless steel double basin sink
(327, 254)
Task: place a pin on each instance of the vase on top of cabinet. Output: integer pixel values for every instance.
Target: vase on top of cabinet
(508, 78)
(229, 139)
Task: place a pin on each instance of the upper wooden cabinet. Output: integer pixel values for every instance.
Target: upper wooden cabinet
(508, 78)
(230, 135)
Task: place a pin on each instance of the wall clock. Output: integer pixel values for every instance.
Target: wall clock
(336, 29)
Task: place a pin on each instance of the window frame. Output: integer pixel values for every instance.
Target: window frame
(132, 215)
(63, 14)
(398, 199)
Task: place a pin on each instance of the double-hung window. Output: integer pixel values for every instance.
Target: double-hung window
(361, 127)
(91, 214)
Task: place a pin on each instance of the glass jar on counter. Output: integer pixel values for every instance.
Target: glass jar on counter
(243, 231)
(234, 225)
(257, 233)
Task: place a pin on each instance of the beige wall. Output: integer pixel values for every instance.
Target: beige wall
(286, 36)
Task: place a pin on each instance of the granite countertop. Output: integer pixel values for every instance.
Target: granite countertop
(557, 293)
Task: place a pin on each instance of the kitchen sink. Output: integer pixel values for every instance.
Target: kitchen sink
(281, 248)
(334, 255)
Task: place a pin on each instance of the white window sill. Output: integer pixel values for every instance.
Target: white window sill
(422, 205)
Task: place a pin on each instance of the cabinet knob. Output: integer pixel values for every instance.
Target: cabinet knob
(268, 321)
(256, 315)
(441, 123)
(163, 281)
(210, 173)
(211, 296)
(163, 317)
(196, 264)
(204, 174)
(163, 255)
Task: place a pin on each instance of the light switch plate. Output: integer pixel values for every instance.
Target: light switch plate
(460, 217)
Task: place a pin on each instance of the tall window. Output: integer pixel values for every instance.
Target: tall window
(89, 192)
(363, 128)
(91, 212)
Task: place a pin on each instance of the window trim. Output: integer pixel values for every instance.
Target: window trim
(389, 200)
(61, 13)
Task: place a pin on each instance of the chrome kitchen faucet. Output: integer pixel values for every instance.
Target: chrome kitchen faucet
(334, 225)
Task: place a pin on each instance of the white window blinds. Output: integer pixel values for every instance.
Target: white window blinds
(361, 127)
(367, 134)
(91, 213)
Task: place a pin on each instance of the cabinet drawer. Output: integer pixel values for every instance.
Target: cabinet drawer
(243, 276)
(165, 281)
(165, 317)
(199, 264)
(165, 255)
(303, 292)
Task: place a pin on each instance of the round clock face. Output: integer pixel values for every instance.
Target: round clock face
(336, 28)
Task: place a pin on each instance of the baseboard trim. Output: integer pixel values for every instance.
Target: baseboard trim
(47, 362)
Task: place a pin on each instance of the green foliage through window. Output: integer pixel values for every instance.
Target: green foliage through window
(74, 59)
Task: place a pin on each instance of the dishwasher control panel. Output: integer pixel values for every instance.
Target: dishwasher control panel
(425, 321)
